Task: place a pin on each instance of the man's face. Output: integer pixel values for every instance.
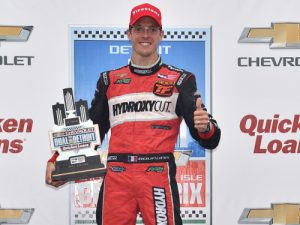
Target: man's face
(145, 36)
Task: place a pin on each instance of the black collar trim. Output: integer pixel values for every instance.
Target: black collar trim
(144, 71)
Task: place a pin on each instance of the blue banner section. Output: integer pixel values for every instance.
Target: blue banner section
(101, 49)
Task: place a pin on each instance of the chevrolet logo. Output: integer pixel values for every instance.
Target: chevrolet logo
(15, 216)
(279, 214)
(280, 35)
(15, 33)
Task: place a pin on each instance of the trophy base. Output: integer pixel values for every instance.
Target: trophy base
(78, 167)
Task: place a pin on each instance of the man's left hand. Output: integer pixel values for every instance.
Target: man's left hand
(201, 118)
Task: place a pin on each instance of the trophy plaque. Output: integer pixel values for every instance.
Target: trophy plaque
(74, 137)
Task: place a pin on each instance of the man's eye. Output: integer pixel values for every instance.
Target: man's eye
(139, 29)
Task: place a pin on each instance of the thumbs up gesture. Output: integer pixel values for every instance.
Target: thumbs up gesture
(201, 118)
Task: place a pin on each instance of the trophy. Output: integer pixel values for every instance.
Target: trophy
(74, 137)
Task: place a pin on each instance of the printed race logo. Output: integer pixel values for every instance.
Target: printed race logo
(191, 181)
(262, 128)
(14, 126)
(283, 214)
(15, 34)
(279, 35)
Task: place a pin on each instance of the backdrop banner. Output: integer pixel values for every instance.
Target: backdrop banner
(245, 55)
(97, 49)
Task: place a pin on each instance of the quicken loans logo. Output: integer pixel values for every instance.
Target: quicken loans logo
(282, 213)
(17, 127)
(160, 206)
(15, 34)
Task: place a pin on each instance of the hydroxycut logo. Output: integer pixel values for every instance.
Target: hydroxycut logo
(141, 106)
(160, 206)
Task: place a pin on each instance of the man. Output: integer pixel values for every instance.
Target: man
(143, 104)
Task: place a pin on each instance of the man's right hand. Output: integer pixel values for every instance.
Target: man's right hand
(48, 179)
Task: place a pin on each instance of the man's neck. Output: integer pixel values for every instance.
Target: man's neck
(145, 70)
(145, 65)
(145, 62)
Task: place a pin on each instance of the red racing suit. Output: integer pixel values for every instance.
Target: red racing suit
(144, 107)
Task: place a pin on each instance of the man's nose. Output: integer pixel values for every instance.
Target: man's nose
(145, 32)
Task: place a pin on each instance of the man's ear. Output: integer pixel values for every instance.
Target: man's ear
(128, 32)
(162, 34)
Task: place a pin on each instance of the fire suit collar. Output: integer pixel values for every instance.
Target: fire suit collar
(141, 70)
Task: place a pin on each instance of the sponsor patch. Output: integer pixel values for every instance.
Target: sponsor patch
(123, 81)
(163, 127)
(160, 205)
(121, 75)
(112, 158)
(132, 158)
(165, 82)
(181, 79)
(142, 71)
(141, 106)
(163, 89)
(175, 68)
(105, 78)
(117, 168)
(157, 169)
(169, 76)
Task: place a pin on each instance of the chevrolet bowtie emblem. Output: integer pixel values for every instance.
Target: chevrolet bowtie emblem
(280, 35)
(279, 214)
(15, 33)
(15, 216)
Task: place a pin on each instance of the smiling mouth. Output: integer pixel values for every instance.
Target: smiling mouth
(145, 43)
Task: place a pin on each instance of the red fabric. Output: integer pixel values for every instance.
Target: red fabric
(209, 134)
(135, 189)
(145, 10)
(147, 132)
(54, 157)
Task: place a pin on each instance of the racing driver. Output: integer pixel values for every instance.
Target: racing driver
(143, 104)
